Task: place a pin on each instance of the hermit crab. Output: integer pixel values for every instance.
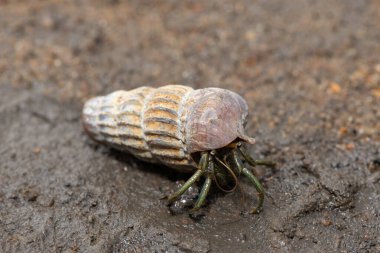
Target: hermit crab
(199, 131)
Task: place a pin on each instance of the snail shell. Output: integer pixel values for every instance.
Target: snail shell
(168, 124)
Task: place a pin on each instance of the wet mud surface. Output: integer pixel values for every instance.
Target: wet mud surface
(310, 72)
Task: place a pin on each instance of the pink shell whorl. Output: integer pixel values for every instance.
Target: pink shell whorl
(215, 118)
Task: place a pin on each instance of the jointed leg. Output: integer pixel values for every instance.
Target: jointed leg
(264, 163)
(202, 195)
(253, 162)
(203, 164)
(256, 183)
(259, 189)
(230, 172)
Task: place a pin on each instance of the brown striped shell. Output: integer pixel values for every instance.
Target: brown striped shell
(167, 124)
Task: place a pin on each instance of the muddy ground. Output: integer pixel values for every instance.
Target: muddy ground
(309, 70)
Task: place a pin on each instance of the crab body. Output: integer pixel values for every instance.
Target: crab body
(198, 131)
(167, 124)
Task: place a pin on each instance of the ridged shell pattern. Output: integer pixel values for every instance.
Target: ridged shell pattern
(147, 122)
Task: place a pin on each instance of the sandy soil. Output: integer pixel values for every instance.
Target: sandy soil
(309, 70)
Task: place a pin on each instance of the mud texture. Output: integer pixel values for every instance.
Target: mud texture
(309, 70)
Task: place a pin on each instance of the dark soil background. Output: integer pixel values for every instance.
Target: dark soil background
(309, 70)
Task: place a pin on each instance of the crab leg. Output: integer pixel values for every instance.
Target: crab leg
(256, 183)
(203, 164)
(253, 162)
(202, 196)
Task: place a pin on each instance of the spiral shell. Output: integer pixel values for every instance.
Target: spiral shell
(167, 124)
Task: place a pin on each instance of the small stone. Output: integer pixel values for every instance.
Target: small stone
(335, 88)
(45, 201)
(350, 146)
(36, 150)
(326, 222)
(30, 195)
(374, 165)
